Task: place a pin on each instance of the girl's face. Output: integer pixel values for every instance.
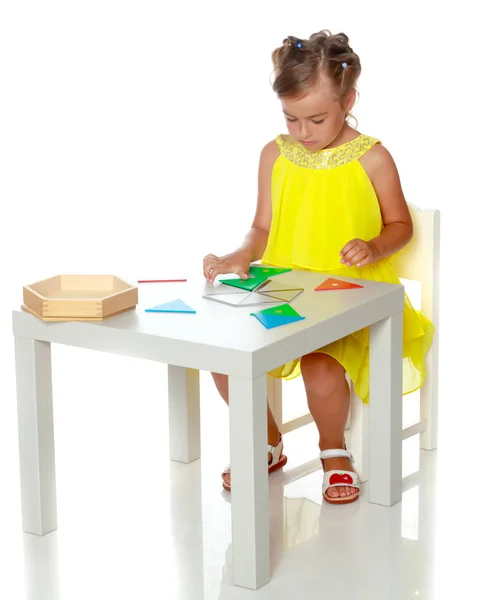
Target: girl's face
(316, 119)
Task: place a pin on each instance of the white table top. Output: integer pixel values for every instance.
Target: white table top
(220, 337)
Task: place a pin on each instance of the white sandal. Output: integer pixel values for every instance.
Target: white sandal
(338, 478)
(277, 461)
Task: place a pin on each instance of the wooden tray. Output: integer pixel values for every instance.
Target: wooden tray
(79, 297)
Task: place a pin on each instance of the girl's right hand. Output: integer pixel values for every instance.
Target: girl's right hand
(237, 262)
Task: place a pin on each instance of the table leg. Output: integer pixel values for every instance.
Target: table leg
(360, 435)
(35, 435)
(184, 413)
(385, 411)
(249, 482)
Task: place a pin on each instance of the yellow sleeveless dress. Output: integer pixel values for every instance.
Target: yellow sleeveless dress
(321, 201)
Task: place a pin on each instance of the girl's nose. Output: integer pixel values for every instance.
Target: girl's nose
(304, 132)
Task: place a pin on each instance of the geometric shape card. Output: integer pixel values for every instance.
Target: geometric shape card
(271, 320)
(282, 295)
(336, 284)
(258, 271)
(245, 284)
(225, 289)
(268, 292)
(176, 306)
(242, 299)
(274, 285)
(255, 299)
(285, 310)
(231, 299)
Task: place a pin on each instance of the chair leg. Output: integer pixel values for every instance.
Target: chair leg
(430, 308)
(428, 395)
(275, 398)
(348, 422)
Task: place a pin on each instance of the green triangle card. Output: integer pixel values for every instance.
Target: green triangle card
(284, 310)
(258, 271)
(245, 284)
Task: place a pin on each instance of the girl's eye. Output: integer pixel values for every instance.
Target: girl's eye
(315, 122)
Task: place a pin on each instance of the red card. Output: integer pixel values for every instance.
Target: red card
(336, 284)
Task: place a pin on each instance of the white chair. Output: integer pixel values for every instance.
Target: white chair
(418, 261)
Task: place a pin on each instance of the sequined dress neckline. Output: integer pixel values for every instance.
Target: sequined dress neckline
(328, 158)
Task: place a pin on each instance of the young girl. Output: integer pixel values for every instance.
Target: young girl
(329, 200)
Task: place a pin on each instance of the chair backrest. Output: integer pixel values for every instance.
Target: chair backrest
(419, 260)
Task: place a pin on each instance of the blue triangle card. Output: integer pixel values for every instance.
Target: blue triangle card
(271, 321)
(277, 316)
(177, 306)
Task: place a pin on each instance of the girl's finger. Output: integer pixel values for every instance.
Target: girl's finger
(210, 264)
(207, 259)
(349, 246)
(206, 269)
(349, 255)
(353, 256)
(238, 271)
(361, 258)
(213, 274)
(218, 267)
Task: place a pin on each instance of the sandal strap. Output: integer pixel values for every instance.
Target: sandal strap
(276, 452)
(339, 453)
(339, 478)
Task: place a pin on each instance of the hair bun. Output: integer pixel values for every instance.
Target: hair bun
(291, 40)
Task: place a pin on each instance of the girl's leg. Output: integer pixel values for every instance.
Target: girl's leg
(328, 399)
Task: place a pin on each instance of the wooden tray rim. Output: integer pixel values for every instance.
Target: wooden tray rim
(80, 300)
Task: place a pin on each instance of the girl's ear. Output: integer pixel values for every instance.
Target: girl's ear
(350, 100)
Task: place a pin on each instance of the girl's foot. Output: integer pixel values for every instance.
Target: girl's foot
(276, 460)
(338, 468)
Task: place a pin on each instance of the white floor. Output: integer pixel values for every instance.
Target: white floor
(134, 525)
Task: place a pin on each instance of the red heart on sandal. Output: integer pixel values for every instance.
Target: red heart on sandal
(337, 478)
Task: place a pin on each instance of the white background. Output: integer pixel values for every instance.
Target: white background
(129, 141)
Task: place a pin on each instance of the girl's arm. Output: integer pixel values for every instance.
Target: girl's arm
(398, 227)
(256, 239)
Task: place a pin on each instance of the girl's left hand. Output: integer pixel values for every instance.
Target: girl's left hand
(359, 253)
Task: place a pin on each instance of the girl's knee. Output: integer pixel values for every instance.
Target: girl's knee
(321, 372)
(220, 380)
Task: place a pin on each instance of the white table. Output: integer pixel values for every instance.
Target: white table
(227, 340)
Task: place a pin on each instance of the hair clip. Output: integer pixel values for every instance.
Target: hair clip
(299, 45)
(344, 65)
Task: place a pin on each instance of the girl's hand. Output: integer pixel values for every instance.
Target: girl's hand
(359, 253)
(237, 262)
